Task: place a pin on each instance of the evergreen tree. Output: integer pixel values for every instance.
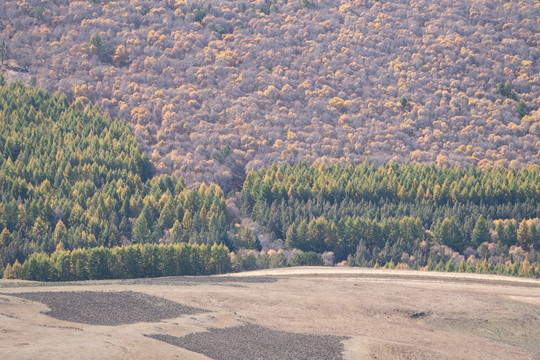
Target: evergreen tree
(247, 240)
(177, 233)
(510, 234)
(448, 233)
(480, 233)
(499, 231)
(4, 52)
(141, 233)
(95, 45)
(60, 234)
(307, 259)
(522, 109)
(523, 235)
(534, 234)
(5, 239)
(166, 218)
(403, 101)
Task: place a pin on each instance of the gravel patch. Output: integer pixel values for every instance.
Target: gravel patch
(108, 308)
(256, 342)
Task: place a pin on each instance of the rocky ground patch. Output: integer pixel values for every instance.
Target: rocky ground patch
(256, 342)
(108, 308)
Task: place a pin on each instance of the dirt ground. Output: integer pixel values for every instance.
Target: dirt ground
(354, 313)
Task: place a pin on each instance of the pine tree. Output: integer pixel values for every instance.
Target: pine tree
(521, 109)
(248, 240)
(60, 234)
(499, 231)
(523, 235)
(177, 233)
(166, 218)
(40, 230)
(4, 52)
(480, 233)
(10, 214)
(510, 234)
(96, 44)
(448, 233)
(13, 272)
(5, 238)
(141, 233)
(403, 101)
(534, 234)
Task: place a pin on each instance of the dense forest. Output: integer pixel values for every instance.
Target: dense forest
(410, 214)
(148, 260)
(72, 178)
(79, 199)
(268, 133)
(216, 89)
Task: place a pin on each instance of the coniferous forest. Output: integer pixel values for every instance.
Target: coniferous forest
(413, 215)
(71, 178)
(79, 199)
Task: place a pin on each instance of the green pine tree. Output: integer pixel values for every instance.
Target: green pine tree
(480, 233)
(141, 233)
(523, 235)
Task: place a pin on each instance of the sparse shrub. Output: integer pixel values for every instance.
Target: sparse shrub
(403, 101)
(306, 4)
(38, 13)
(522, 109)
(505, 89)
(200, 13)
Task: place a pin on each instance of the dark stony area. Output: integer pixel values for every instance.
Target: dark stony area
(108, 308)
(256, 342)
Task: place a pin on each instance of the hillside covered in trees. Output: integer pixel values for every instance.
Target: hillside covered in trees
(408, 214)
(79, 200)
(213, 89)
(72, 178)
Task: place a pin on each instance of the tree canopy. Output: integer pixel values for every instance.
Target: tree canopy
(70, 175)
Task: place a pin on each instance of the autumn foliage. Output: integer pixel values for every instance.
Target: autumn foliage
(281, 81)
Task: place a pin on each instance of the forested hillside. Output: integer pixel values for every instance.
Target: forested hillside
(72, 178)
(215, 88)
(79, 200)
(410, 214)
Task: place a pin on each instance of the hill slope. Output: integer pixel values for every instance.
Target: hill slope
(383, 314)
(214, 90)
(71, 178)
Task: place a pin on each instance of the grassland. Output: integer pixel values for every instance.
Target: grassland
(352, 313)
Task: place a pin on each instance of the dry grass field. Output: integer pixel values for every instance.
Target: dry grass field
(294, 313)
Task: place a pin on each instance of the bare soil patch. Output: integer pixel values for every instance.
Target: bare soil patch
(256, 342)
(108, 308)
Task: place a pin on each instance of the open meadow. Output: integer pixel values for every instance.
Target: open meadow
(291, 313)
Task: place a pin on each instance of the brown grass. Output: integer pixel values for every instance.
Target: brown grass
(383, 314)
